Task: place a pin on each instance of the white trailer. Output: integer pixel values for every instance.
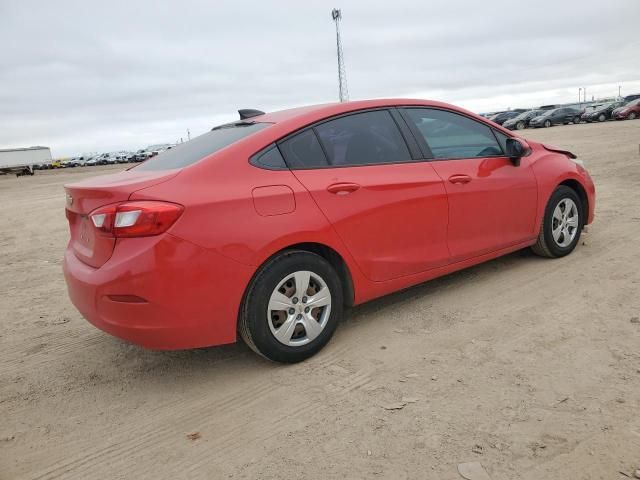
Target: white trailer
(21, 160)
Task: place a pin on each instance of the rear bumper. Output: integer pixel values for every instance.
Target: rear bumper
(160, 292)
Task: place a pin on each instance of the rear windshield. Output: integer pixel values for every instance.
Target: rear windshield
(190, 152)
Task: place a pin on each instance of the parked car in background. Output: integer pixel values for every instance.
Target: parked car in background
(522, 121)
(602, 112)
(588, 110)
(140, 155)
(500, 118)
(72, 162)
(112, 158)
(629, 111)
(268, 226)
(122, 157)
(92, 161)
(630, 98)
(557, 116)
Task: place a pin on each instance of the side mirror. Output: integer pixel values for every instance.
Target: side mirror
(516, 149)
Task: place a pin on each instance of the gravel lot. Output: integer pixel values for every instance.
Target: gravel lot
(529, 366)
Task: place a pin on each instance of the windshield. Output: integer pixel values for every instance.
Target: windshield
(204, 145)
(633, 103)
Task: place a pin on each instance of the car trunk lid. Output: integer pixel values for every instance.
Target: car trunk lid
(87, 243)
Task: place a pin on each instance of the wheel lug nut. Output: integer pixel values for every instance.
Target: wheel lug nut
(299, 316)
(295, 300)
(304, 299)
(306, 310)
(292, 311)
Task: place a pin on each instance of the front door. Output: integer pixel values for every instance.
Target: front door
(492, 202)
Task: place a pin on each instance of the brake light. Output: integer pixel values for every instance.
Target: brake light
(135, 219)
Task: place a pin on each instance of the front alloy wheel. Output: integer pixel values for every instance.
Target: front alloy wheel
(562, 224)
(565, 222)
(547, 123)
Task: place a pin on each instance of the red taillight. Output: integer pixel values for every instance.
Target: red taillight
(135, 219)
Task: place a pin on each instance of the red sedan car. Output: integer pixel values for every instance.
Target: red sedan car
(630, 111)
(271, 225)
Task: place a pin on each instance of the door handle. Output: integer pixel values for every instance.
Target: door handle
(342, 188)
(459, 178)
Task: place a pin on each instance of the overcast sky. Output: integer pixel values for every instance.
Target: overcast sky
(82, 76)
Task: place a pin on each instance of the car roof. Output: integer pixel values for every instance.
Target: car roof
(313, 113)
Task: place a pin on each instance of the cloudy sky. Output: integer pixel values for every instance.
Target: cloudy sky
(82, 76)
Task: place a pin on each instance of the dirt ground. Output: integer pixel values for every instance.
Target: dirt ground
(528, 365)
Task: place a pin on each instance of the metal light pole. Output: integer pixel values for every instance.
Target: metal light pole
(580, 95)
(343, 92)
(619, 89)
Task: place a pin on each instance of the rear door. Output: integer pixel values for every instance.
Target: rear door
(388, 208)
(492, 203)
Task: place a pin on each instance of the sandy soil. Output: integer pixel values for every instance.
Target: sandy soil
(529, 366)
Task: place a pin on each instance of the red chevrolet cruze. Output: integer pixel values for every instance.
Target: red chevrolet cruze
(271, 225)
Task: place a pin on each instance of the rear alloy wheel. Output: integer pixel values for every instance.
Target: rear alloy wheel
(601, 117)
(520, 125)
(292, 307)
(632, 116)
(562, 224)
(576, 120)
(547, 123)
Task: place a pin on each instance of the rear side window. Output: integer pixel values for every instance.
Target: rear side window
(451, 136)
(269, 158)
(363, 139)
(303, 151)
(190, 152)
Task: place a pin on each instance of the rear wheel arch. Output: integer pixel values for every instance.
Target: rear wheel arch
(329, 254)
(336, 261)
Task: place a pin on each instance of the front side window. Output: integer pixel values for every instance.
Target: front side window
(363, 139)
(451, 136)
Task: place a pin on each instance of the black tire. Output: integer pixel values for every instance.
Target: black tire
(520, 125)
(253, 324)
(547, 123)
(546, 246)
